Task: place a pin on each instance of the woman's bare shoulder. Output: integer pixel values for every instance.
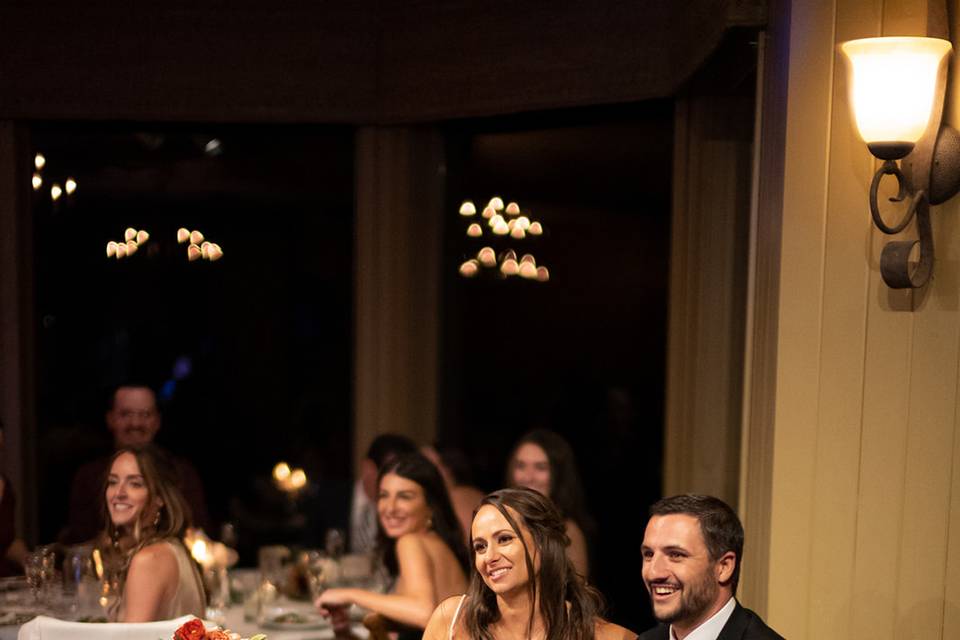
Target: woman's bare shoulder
(609, 631)
(442, 618)
(157, 556)
(413, 542)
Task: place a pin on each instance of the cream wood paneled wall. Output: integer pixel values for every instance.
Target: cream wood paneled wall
(864, 518)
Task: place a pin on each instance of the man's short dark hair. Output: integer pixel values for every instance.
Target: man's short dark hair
(388, 446)
(110, 394)
(719, 524)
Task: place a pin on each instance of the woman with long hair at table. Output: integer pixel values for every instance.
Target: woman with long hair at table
(524, 584)
(143, 543)
(542, 460)
(420, 545)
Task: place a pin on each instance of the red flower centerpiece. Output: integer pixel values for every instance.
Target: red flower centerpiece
(194, 630)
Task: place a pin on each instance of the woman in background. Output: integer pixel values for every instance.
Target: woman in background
(419, 542)
(524, 584)
(542, 460)
(146, 520)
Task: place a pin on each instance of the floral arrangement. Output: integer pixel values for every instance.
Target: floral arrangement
(194, 630)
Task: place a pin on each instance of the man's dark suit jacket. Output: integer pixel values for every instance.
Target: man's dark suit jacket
(742, 625)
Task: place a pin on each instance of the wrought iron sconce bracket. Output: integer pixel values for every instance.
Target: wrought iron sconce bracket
(941, 173)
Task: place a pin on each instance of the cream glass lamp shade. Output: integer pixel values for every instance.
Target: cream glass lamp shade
(893, 82)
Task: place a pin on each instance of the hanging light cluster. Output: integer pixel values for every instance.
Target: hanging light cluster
(132, 240)
(500, 225)
(57, 190)
(198, 247)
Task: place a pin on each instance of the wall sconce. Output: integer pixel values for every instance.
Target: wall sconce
(897, 87)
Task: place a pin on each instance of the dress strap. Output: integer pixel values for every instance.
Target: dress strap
(456, 614)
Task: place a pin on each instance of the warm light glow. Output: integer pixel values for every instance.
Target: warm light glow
(474, 230)
(182, 235)
(495, 220)
(513, 209)
(487, 257)
(469, 268)
(70, 186)
(496, 203)
(204, 250)
(510, 267)
(542, 274)
(132, 247)
(281, 471)
(142, 236)
(214, 252)
(36, 181)
(193, 252)
(39, 161)
(524, 222)
(129, 234)
(517, 233)
(111, 249)
(201, 553)
(196, 237)
(528, 257)
(97, 564)
(488, 212)
(501, 228)
(535, 229)
(298, 479)
(528, 271)
(892, 84)
(55, 192)
(121, 250)
(468, 209)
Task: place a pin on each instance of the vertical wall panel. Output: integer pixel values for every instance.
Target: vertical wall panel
(951, 590)
(801, 269)
(707, 307)
(932, 401)
(845, 302)
(397, 279)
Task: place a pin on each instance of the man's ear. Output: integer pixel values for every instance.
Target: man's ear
(725, 567)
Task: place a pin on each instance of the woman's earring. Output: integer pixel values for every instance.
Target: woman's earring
(156, 519)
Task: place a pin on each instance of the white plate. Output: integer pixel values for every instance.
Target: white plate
(305, 621)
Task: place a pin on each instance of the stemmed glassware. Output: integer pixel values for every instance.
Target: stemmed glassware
(39, 569)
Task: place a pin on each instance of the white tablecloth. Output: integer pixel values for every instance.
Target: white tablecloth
(235, 622)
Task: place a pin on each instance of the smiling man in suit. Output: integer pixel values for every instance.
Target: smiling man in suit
(692, 548)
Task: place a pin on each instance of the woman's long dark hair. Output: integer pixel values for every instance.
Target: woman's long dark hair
(566, 490)
(568, 606)
(415, 467)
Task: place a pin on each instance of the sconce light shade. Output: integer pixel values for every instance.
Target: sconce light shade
(892, 84)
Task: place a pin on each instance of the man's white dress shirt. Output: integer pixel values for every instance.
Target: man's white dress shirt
(710, 629)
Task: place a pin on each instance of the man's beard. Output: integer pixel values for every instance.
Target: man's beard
(695, 599)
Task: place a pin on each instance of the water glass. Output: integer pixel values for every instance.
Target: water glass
(273, 561)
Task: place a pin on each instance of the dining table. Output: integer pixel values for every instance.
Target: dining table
(282, 619)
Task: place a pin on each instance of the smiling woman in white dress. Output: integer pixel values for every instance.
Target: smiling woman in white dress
(146, 520)
(524, 584)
